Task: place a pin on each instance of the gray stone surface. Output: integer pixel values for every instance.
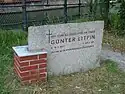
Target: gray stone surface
(71, 47)
(108, 53)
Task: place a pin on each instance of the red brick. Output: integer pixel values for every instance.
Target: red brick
(43, 70)
(34, 57)
(16, 63)
(43, 75)
(29, 68)
(21, 74)
(24, 74)
(42, 56)
(34, 72)
(29, 78)
(15, 66)
(16, 71)
(44, 79)
(16, 56)
(42, 65)
(21, 64)
(25, 78)
(38, 61)
(24, 64)
(14, 60)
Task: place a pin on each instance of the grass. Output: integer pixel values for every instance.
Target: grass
(107, 79)
(7, 41)
(117, 43)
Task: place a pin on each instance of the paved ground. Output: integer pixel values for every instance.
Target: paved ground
(108, 53)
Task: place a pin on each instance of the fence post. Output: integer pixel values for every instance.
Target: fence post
(79, 8)
(90, 9)
(106, 19)
(25, 23)
(47, 2)
(65, 11)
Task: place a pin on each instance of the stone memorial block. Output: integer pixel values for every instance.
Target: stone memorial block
(71, 47)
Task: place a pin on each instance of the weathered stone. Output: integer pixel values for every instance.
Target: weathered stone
(71, 47)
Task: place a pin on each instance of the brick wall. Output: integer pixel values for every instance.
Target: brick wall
(31, 69)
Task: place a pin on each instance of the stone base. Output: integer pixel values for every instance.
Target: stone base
(30, 67)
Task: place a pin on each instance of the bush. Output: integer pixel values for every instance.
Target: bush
(115, 21)
(122, 18)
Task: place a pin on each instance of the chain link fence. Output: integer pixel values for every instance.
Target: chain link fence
(24, 13)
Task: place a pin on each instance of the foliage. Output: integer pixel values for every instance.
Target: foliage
(93, 5)
(112, 66)
(118, 20)
(122, 18)
(115, 23)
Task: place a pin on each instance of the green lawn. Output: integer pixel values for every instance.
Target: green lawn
(107, 79)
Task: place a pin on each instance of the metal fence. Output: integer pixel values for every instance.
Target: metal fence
(24, 13)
